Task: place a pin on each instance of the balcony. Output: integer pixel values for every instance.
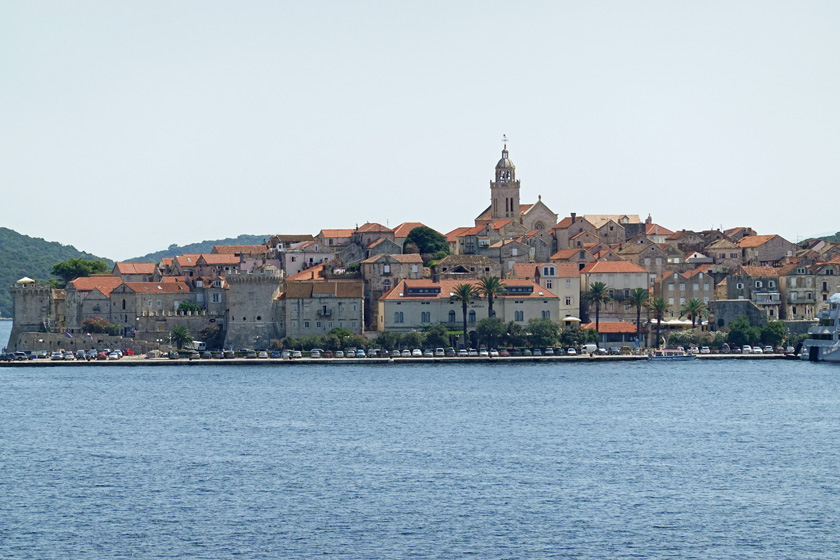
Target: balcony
(769, 298)
(326, 313)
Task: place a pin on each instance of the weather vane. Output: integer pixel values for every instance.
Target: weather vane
(505, 139)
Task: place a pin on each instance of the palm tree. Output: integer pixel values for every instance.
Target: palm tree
(638, 299)
(659, 307)
(181, 336)
(465, 293)
(694, 309)
(490, 287)
(598, 295)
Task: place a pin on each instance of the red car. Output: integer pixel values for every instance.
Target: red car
(101, 356)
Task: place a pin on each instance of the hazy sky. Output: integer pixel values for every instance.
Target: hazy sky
(125, 127)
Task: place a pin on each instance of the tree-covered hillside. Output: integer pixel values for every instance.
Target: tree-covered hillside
(202, 247)
(831, 238)
(21, 255)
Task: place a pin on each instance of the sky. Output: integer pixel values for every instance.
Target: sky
(129, 126)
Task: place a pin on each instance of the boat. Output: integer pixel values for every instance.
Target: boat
(668, 355)
(822, 344)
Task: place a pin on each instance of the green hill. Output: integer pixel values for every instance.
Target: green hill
(21, 255)
(202, 247)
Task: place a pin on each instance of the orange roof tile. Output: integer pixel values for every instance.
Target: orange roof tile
(104, 284)
(612, 327)
(613, 267)
(373, 227)
(135, 268)
(752, 241)
(405, 228)
(760, 270)
(218, 259)
(334, 233)
(158, 287)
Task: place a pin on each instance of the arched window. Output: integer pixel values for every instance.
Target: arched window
(451, 316)
(472, 316)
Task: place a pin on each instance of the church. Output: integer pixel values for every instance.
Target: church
(505, 205)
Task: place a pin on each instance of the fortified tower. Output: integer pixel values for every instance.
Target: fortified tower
(504, 191)
(253, 315)
(33, 309)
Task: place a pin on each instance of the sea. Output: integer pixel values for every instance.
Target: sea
(709, 459)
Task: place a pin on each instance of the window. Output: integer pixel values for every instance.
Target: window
(682, 300)
(670, 301)
(647, 262)
(682, 287)
(696, 287)
(425, 317)
(451, 316)
(318, 324)
(658, 260)
(706, 299)
(471, 316)
(546, 314)
(548, 284)
(398, 317)
(670, 287)
(306, 324)
(518, 315)
(758, 284)
(739, 286)
(771, 284)
(386, 269)
(215, 298)
(568, 300)
(706, 286)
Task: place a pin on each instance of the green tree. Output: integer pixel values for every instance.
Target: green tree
(466, 294)
(694, 309)
(741, 332)
(515, 335)
(573, 335)
(181, 336)
(437, 336)
(490, 287)
(639, 298)
(185, 306)
(100, 325)
(492, 331)
(659, 307)
(388, 340)
(773, 333)
(413, 339)
(78, 268)
(542, 332)
(597, 295)
(427, 241)
(213, 337)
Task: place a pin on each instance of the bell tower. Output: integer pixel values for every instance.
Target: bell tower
(504, 190)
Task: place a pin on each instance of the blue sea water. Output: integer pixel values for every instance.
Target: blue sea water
(730, 459)
(5, 331)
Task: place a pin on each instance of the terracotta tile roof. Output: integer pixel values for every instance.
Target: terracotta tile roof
(599, 220)
(722, 244)
(499, 224)
(656, 229)
(407, 258)
(336, 233)
(167, 261)
(336, 288)
(564, 254)
(218, 259)
(373, 227)
(695, 271)
(567, 270)
(135, 268)
(237, 249)
(752, 241)
(379, 241)
(185, 261)
(447, 287)
(456, 233)
(174, 279)
(612, 327)
(613, 267)
(402, 230)
(104, 284)
(760, 271)
(158, 287)
(524, 208)
(313, 273)
(526, 270)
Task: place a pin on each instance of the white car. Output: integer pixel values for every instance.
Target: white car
(463, 353)
(484, 354)
(494, 353)
(440, 353)
(571, 352)
(747, 349)
(705, 350)
(113, 356)
(416, 353)
(757, 350)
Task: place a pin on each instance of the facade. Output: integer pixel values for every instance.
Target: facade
(417, 304)
(466, 267)
(758, 284)
(621, 278)
(677, 288)
(799, 291)
(765, 250)
(383, 272)
(319, 306)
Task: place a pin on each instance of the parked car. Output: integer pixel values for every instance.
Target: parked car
(483, 354)
(494, 353)
(250, 354)
(193, 355)
(462, 353)
(757, 350)
(339, 353)
(297, 354)
(262, 354)
(416, 353)
(172, 356)
(360, 353)
(504, 353)
(69, 356)
(473, 353)
(228, 354)
(790, 350)
(439, 353)
(571, 352)
(80, 355)
(428, 353)
(276, 354)
(725, 348)
(315, 353)
(450, 352)
(516, 352)
(548, 352)
(21, 356)
(705, 350)
(526, 352)
(54, 356)
(406, 353)
(327, 354)
(747, 349)
(768, 349)
(536, 352)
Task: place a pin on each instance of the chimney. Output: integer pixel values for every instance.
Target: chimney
(573, 217)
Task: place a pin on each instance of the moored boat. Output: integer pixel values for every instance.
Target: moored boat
(823, 342)
(668, 355)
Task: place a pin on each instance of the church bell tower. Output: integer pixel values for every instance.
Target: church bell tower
(504, 190)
